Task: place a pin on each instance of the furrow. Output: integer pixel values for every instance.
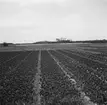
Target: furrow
(10, 59)
(85, 99)
(100, 62)
(19, 64)
(95, 72)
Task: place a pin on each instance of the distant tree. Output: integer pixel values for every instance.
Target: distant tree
(57, 39)
(63, 40)
(5, 44)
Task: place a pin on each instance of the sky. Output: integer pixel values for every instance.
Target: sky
(38, 20)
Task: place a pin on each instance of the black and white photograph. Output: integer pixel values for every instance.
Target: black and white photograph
(53, 52)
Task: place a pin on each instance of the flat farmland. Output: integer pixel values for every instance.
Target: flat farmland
(53, 74)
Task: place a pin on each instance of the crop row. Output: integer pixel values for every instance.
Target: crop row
(92, 85)
(6, 56)
(100, 68)
(101, 50)
(16, 87)
(56, 89)
(13, 63)
(91, 55)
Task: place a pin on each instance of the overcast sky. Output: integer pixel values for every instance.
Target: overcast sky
(34, 20)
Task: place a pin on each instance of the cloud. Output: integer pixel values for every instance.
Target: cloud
(27, 2)
(8, 9)
(49, 19)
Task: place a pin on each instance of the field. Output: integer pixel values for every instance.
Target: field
(56, 74)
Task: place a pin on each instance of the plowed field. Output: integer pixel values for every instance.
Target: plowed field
(73, 75)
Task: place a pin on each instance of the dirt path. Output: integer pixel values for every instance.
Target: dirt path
(37, 83)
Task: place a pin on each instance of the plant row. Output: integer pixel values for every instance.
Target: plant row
(102, 50)
(5, 56)
(92, 85)
(98, 67)
(94, 56)
(56, 89)
(13, 63)
(16, 88)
